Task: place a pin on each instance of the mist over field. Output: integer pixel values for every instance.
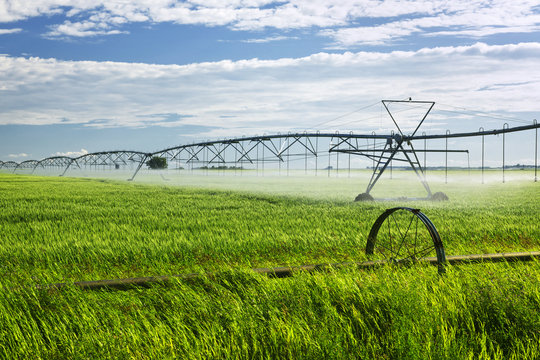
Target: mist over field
(323, 184)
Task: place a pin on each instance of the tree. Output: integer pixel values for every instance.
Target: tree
(157, 162)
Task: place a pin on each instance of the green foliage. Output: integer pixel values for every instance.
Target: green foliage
(65, 230)
(157, 162)
(406, 314)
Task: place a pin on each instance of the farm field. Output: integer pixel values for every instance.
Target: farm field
(71, 229)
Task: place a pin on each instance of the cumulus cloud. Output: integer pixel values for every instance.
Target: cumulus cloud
(269, 39)
(71, 153)
(455, 20)
(18, 156)
(82, 29)
(9, 31)
(347, 23)
(255, 96)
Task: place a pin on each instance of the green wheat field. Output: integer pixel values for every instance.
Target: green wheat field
(63, 230)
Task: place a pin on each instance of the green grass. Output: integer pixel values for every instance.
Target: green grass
(70, 229)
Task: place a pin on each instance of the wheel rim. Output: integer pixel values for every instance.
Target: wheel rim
(402, 235)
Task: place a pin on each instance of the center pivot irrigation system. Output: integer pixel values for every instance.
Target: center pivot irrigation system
(280, 148)
(400, 235)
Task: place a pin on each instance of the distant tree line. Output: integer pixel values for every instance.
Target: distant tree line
(157, 162)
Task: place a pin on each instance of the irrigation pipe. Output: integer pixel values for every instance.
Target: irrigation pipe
(282, 272)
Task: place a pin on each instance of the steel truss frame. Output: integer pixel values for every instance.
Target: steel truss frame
(396, 144)
(54, 162)
(8, 165)
(110, 159)
(280, 148)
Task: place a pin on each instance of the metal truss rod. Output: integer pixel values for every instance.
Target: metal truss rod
(217, 153)
(375, 157)
(193, 153)
(297, 140)
(419, 172)
(26, 164)
(388, 158)
(391, 117)
(361, 151)
(409, 101)
(246, 153)
(476, 133)
(141, 163)
(67, 167)
(378, 171)
(277, 136)
(242, 152)
(342, 140)
(274, 150)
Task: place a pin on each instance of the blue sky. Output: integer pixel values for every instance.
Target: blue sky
(80, 75)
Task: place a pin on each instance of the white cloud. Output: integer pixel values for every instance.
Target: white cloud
(344, 21)
(9, 31)
(71, 153)
(82, 29)
(18, 156)
(269, 95)
(476, 20)
(269, 39)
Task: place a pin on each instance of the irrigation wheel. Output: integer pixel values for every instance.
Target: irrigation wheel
(405, 235)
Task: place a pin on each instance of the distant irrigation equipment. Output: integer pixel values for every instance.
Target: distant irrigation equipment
(279, 150)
